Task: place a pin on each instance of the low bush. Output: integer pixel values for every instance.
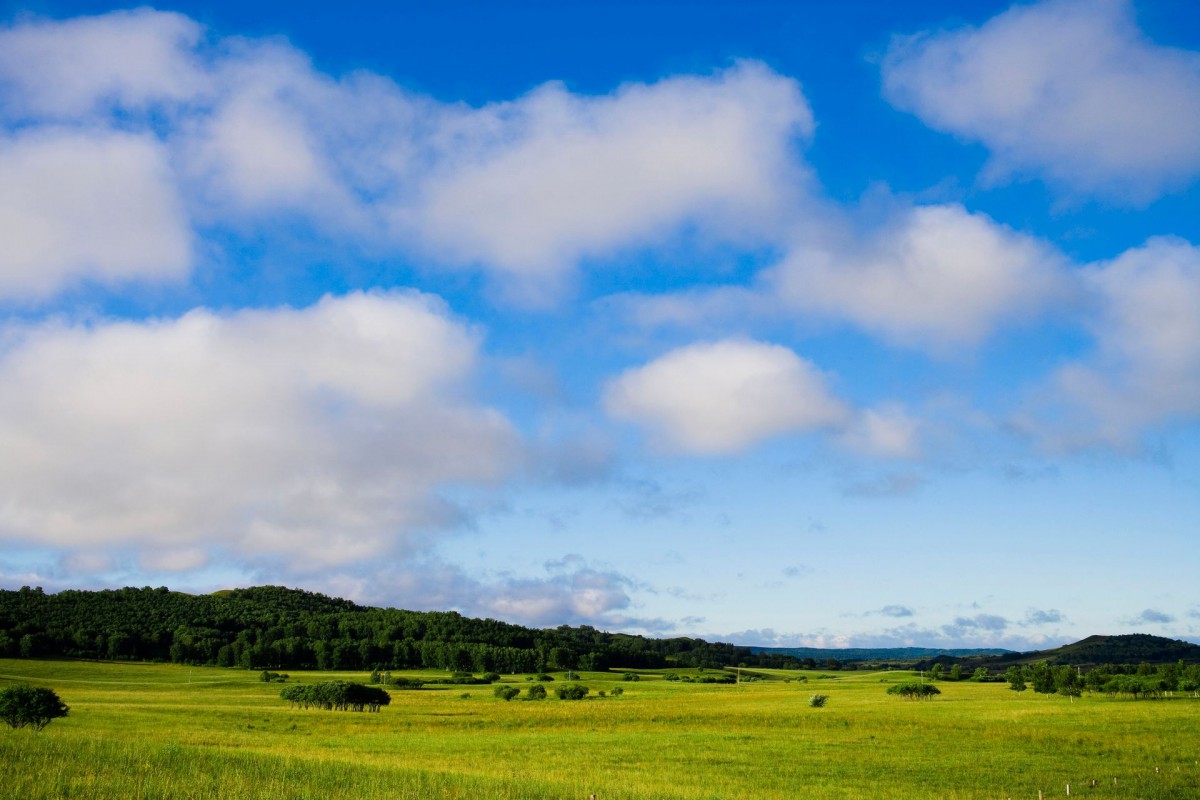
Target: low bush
(818, 700)
(506, 692)
(275, 677)
(631, 676)
(572, 691)
(536, 692)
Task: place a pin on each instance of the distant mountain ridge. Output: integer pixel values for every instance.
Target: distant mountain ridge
(878, 653)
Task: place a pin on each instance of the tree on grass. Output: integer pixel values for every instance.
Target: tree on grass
(572, 692)
(1016, 678)
(506, 692)
(23, 705)
(914, 691)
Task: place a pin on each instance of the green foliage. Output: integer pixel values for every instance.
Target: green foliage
(1016, 679)
(506, 692)
(914, 691)
(336, 696)
(276, 677)
(272, 627)
(572, 691)
(541, 676)
(536, 692)
(818, 700)
(23, 705)
(631, 676)
(618, 691)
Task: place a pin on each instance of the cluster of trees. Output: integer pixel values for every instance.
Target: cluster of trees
(914, 691)
(23, 705)
(336, 696)
(1143, 680)
(271, 627)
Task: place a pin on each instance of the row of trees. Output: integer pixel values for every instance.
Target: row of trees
(272, 627)
(1144, 680)
(336, 696)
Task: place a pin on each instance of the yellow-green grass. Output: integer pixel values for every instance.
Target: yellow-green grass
(165, 731)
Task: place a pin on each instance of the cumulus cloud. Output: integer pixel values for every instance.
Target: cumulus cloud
(722, 397)
(73, 68)
(543, 181)
(1037, 616)
(987, 622)
(1145, 370)
(938, 277)
(887, 432)
(91, 205)
(316, 436)
(1152, 616)
(525, 189)
(1067, 89)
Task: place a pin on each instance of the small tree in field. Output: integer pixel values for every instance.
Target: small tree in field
(25, 705)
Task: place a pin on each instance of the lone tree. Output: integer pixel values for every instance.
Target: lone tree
(23, 705)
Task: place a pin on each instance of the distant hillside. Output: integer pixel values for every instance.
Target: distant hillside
(1130, 648)
(876, 653)
(273, 626)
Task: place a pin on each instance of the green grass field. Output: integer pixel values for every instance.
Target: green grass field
(165, 731)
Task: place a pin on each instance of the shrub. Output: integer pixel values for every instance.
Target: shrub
(506, 692)
(491, 677)
(537, 692)
(818, 700)
(23, 705)
(671, 676)
(573, 691)
(618, 691)
(914, 691)
(406, 683)
(541, 676)
(272, 677)
(631, 676)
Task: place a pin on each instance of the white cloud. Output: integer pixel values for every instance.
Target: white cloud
(1069, 89)
(1146, 367)
(305, 437)
(722, 397)
(525, 189)
(541, 182)
(87, 205)
(933, 276)
(888, 432)
(74, 68)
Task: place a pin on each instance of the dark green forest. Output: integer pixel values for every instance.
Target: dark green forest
(269, 627)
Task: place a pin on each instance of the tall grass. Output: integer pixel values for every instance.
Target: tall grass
(154, 731)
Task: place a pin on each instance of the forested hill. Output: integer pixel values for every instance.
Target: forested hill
(1130, 648)
(276, 627)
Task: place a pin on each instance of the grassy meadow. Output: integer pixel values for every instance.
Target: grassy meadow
(165, 731)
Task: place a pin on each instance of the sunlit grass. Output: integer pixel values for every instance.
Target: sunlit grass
(151, 731)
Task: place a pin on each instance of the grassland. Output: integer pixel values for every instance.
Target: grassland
(163, 731)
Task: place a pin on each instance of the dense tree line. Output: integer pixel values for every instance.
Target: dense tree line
(1143, 680)
(271, 627)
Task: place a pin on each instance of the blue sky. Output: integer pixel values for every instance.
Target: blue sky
(849, 324)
